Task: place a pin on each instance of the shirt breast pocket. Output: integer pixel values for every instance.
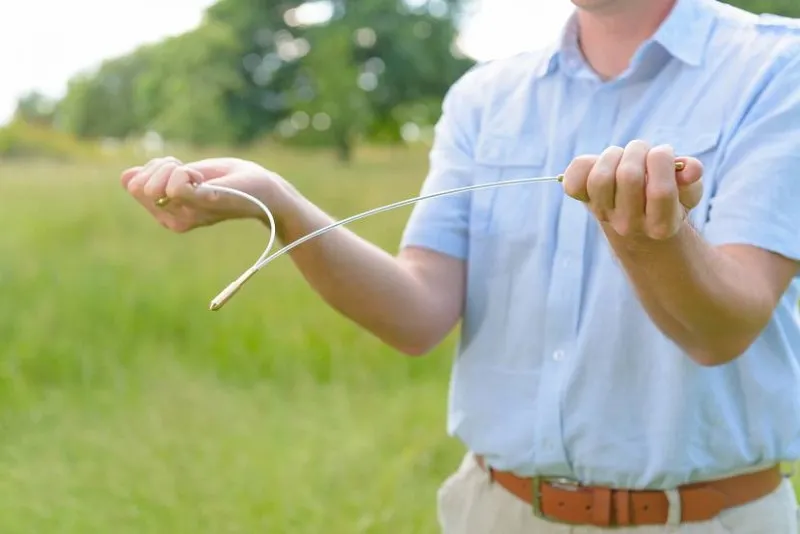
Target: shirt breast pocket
(506, 210)
(506, 220)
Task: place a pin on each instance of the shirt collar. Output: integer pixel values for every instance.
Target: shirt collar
(683, 34)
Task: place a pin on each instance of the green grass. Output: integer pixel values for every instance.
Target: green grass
(125, 406)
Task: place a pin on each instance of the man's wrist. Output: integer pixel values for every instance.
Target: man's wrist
(277, 195)
(644, 246)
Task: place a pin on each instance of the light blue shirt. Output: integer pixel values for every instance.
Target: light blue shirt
(559, 370)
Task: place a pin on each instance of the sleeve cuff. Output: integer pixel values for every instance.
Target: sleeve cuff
(444, 242)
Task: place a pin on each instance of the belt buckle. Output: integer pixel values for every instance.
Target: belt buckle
(536, 500)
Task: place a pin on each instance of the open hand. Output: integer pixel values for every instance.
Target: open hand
(165, 187)
(636, 191)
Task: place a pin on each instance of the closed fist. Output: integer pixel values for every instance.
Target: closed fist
(637, 190)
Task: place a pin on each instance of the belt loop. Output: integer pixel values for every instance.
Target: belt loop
(675, 513)
(486, 468)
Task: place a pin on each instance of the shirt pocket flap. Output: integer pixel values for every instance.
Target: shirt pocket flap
(702, 145)
(496, 150)
(686, 143)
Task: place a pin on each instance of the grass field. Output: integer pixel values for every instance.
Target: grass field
(127, 407)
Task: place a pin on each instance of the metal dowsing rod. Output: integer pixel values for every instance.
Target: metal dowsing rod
(226, 294)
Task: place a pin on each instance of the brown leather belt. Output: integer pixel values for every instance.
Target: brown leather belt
(565, 502)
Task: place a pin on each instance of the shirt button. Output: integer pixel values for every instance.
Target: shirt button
(558, 355)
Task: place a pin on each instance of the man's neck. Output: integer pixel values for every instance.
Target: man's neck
(609, 37)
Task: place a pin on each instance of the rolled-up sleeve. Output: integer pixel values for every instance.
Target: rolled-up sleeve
(442, 223)
(757, 201)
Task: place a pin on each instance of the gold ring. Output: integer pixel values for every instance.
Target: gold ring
(161, 202)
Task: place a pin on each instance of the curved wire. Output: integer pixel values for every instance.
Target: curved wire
(226, 294)
(254, 200)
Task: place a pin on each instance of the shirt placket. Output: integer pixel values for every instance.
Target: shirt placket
(565, 289)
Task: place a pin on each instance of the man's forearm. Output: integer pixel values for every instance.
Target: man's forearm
(703, 299)
(385, 295)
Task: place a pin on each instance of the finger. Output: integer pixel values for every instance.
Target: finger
(137, 182)
(238, 180)
(690, 195)
(181, 183)
(156, 186)
(128, 175)
(601, 183)
(692, 170)
(232, 206)
(629, 201)
(576, 175)
(690, 184)
(661, 192)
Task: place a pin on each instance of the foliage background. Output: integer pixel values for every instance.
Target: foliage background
(124, 405)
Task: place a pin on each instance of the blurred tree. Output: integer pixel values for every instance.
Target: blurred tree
(324, 72)
(104, 103)
(36, 109)
(339, 111)
(182, 93)
(268, 51)
(407, 56)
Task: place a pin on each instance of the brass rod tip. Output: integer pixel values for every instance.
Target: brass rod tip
(228, 293)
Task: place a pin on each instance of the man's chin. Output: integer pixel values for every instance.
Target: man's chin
(600, 6)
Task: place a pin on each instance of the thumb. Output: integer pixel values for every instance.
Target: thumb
(236, 180)
(690, 182)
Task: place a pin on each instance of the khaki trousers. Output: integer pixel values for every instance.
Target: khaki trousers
(469, 504)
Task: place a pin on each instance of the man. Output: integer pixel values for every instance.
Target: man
(632, 344)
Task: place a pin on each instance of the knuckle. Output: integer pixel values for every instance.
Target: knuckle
(165, 159)
(153, 163)
(613, 150)
(662, 150)
(662, 154)
(177, 183)
(585, 160)
(580, 166)
(638, 144)
(630, 174)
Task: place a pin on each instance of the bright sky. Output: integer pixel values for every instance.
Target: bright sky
(44, 42)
